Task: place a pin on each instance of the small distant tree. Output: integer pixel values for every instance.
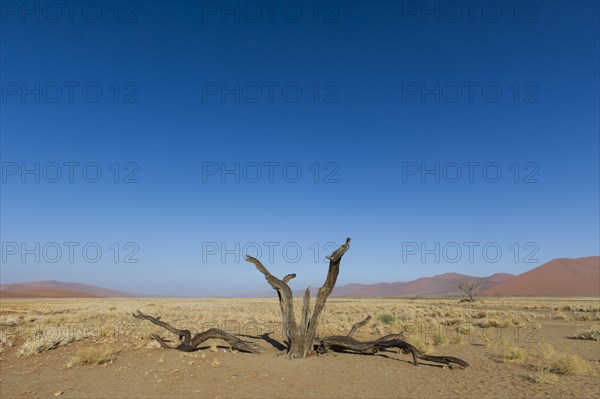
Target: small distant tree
(470, 288)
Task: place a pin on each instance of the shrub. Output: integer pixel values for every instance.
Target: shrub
(583, 317)
(463, 329)
(5, 341)
(93, 355)
(439, 338)
(480, 315)
(39, 344)
(8, 321)
(422, 346)
(542, 376)
(452, 322)
(386, 318)
(406, 315)
(559, 316)
(513, 354)
(568, 364)
(546, 351)
(592, 334)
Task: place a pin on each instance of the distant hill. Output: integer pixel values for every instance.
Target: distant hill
(59, 289)
(440, 285)
(559, 277)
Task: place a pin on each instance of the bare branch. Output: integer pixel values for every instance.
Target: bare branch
(358, 325)
(191, 344)
(286, 302)
(340, 343)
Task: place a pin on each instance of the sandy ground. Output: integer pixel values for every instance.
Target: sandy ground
(140, 369)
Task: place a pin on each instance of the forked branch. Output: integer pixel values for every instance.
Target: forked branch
(301, 338)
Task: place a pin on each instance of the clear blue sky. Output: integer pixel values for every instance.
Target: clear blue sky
(387, 89)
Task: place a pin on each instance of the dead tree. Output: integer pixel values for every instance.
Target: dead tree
(470, 288)
(301, 338)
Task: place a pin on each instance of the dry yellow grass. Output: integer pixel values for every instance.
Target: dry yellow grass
(94, 355)
(591, 334)
(106, 320)
(542, 376)
(569, 364)
(421, 345)
(513, 354)
(526, 339)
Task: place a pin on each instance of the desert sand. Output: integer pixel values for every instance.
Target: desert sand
(516, 347)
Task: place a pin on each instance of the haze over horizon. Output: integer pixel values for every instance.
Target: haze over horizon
(471, 149)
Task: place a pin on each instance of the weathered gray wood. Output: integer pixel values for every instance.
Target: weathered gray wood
(301, 339)
(343, 343)
(285, 298)
(189, 344)
(358, 325)
(306, 345)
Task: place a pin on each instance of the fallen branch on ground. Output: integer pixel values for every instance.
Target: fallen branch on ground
(189, 344)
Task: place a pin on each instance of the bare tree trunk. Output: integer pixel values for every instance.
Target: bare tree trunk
(301, 339)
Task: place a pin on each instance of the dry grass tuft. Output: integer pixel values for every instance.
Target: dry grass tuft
(542, 376)
(559, 316)
(439, 338)
(513, 354)
(422, 346)
(8, 321)
(102, 354)
(42, 344)
(480, 315)
(569, 364)
(592, 334)
(386, 318)
(583, 317)
(545, 350)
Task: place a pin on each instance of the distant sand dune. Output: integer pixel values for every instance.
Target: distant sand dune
(45, 294)
(440, 285)
(559, 277)
(59, 289)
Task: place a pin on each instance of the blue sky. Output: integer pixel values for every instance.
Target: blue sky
(220, 128)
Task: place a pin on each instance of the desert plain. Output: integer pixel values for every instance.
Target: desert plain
(542, 347)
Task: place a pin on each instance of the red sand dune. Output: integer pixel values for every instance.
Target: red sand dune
(440, 285)
(58, 289)
(559, 277)
(45, 294)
